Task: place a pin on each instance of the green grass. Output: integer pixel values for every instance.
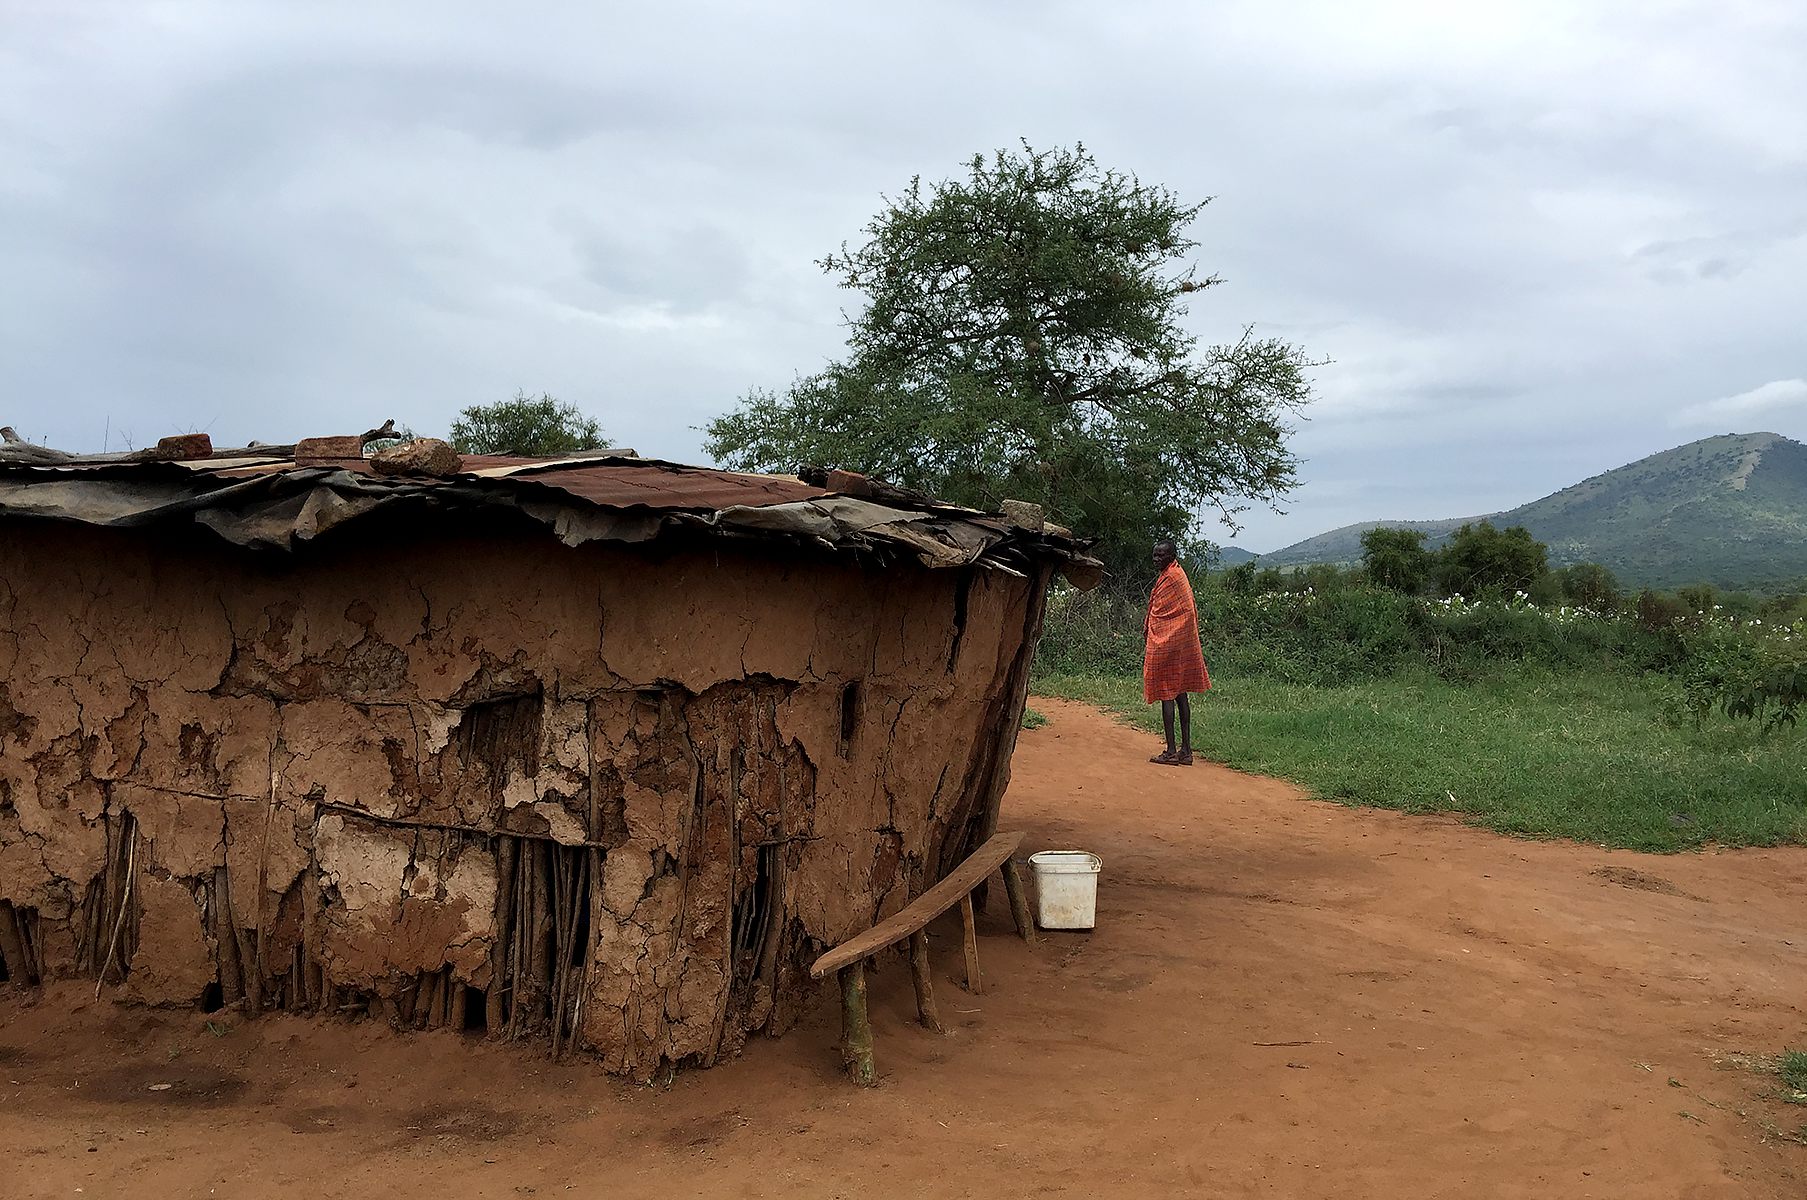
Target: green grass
(1584, 755)
(1793, 1068)
(1034, 719)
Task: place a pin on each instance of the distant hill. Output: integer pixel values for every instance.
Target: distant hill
(1230, 556)
(1729, 510)
(1343, 545)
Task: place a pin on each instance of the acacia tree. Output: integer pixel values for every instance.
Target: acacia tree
(1022, 338)
(525, 425)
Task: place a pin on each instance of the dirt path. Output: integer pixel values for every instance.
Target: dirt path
(1283, 998)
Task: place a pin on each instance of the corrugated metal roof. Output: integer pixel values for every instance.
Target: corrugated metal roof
(613, 483)
(271, 500)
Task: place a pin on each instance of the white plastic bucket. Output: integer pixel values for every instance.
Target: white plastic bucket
(1066, 888)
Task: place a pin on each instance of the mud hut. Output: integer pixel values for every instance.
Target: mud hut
(599, 751)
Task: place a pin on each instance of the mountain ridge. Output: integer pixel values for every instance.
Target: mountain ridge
(1729, 510)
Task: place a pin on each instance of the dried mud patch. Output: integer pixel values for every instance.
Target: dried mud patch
(704, 1133)
(325, 1118)
(196, 1085)
(1638, 881)
(467, 1122)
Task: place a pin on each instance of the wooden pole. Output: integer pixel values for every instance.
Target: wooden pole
(103, 904)
(925, 988)
(305, 996)
(34, 942)
(434, 1015)
(856, 1029)
(593, 898)
(460, 999)
(1019, 900)
(498, 946)
(252, 968)
(571, 976)
(125, 906)
(232, 980)
(12, 947)
(517, 938)
(974, 982)
(564, 919)
(539, 958)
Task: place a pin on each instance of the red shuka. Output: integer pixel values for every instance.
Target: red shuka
(1172, 662)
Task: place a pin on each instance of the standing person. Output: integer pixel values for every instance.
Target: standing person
(1173, 665)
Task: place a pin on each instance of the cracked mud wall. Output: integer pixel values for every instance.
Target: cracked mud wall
(615, 799)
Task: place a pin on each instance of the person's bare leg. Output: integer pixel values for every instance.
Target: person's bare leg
(1167, 720)
(1184, 704)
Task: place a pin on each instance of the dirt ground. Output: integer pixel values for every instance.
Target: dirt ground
(1282, 998)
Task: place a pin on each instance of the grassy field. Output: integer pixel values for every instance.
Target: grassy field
(1584, 755)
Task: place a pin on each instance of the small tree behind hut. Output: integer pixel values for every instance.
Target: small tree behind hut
(525, 425)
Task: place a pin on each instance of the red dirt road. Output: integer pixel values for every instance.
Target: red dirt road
(1282, 998)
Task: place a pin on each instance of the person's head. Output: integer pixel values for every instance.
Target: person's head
(1165, 552)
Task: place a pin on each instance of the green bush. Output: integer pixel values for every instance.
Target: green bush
(1091, 633)
(1348, 633)
(1745, 677)
(1656, 611)
(1589, 585)
(1396, 558)
(1479, 556)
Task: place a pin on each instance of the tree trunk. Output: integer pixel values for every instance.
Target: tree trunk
(925, 987)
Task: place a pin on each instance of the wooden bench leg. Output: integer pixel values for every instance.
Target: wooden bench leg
(975, 982)
(856, 1029)
(925, 989)
(1019, 900)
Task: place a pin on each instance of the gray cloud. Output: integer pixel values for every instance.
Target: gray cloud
(1778, 397)
(1534, 238)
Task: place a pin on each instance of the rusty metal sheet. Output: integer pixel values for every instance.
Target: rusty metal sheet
(614, 484)
(241, 468)
(618, 485)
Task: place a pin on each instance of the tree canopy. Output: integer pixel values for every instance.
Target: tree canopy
(525, 425)
(1479, 557)
(1590, 585)
(1396, 558)
(1021, 338)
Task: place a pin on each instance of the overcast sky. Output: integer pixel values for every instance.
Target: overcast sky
(1538, 240)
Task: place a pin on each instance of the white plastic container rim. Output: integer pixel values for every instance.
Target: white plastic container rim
(1066, 862)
